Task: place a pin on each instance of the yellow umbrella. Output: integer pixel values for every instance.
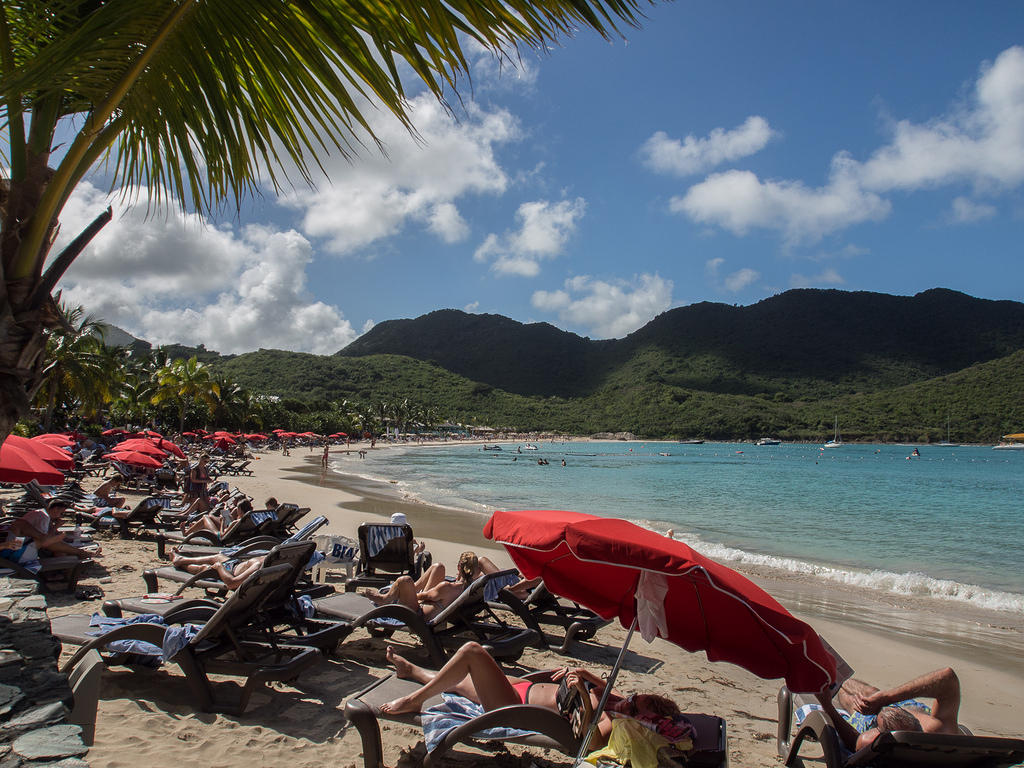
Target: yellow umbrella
(1018, 436)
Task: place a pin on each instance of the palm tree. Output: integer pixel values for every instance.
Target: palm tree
(183, 382)
(76, 372)
(202, 101)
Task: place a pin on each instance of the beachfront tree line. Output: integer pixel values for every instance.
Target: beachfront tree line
(89, 385)
(196, 103)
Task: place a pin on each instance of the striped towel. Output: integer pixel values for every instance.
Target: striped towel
(455, 711)
(378, 536)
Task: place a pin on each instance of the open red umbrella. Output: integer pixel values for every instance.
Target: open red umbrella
(135, 458)
(18, 465)
(142, 446)
(619, 569)
(52, 455)
(53, 439)
(255, 436)
(169, 447)
(114, 431)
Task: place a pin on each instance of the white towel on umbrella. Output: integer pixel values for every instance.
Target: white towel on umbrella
(650, 605)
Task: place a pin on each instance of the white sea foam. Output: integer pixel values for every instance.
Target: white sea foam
(914, 584)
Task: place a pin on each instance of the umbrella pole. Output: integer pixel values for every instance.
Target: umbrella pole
(604, 696)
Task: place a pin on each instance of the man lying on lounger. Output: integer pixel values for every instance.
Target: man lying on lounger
(432, 592)
(896, 709)
(473, 673)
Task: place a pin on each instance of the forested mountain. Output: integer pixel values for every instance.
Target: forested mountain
(803, 343)
(890, 367)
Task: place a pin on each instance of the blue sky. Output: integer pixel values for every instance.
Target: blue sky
(727, 152)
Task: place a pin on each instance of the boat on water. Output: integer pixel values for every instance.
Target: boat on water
(769, 441)
(692, 441)
(529, 447)
(491, 448)
(946, 443)
(836, 441)
(1014, 442)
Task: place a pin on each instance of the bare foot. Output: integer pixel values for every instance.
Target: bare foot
(403, 668)
(404, 705)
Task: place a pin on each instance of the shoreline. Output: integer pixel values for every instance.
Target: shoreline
(149, 718)
(986, 642)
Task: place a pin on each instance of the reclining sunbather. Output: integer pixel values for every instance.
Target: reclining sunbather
(474, 674)
(872, 710)
(229, 570)
(432, 592)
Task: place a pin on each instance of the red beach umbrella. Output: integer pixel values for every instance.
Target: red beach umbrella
(255, 436)
(190, 434)
(135, 458)
(142, 446)
(150, 433)
(52, 455)
(114, 431)
(224, 443)
(339, 434)
(621, 570)
(169, 447)
(18, 465)
(53, 439)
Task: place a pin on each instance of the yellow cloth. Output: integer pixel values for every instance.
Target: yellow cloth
(632, 741)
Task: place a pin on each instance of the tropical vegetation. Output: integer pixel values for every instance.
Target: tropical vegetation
(202, 102)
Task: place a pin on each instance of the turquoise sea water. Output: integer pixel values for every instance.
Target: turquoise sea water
(948, 524)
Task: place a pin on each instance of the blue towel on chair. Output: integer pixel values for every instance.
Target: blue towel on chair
(378, 536)
(455, 711)
(495, 585)
(175, 637)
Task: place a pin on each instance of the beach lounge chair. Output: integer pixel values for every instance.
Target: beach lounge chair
(84, 680)
(468, 617)
(541, 610)
(547, 729)
(386, 551)
(893, 749)
(218, 647)
(280, 615)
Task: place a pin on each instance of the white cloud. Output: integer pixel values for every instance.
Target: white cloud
(493, 72)
(734, 282)
(544, 230)
(692, 155)
(980, 143)
(827, 277)
(740, 279)
(419, 181)
(739, 201)
(607, 309)
(473, 306)
(966, 211)
(168, 278)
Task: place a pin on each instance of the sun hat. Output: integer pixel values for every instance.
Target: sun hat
(398, 518)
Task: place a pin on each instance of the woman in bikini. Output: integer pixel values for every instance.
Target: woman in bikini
(432, 592)
(474, 674)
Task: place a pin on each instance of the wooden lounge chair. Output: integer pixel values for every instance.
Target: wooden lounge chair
(893, 749)
(541, 610)
(468, 617)
(219, 647)
(550, 730)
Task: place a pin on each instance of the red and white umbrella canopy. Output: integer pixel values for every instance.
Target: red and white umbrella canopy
(619, 569)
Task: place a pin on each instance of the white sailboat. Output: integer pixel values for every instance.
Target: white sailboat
(836, 441)
(946, 443)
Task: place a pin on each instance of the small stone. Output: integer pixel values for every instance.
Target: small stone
(57, 741)
(35, 602)
(9, 697)
(37, 716)
(5, 603)
(9, 656)
(107, 580)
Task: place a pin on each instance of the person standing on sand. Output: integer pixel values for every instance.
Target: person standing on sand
(323, 459)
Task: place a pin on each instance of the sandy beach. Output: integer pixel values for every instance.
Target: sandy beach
(145, 718)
